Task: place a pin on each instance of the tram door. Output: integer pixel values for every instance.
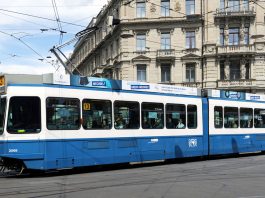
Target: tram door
(63, 115)
(152, 148)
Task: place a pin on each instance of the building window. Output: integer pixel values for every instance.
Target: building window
(222, 37)
(165, 41)
(190, 40)
(165, 8)
(140, 42)
(246, 36)
(245, 5)
(190, 7)
(165, 73)
(235, 70)
(233, 36)
(234, 5)
(141, 73)
(222, 5)
(190, 72)
(140, 9)
(247, 70)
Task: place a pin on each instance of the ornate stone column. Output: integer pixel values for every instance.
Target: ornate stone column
(226, 34)
(243, 68)
(227, 70)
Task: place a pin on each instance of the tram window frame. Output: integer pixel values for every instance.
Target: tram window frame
(102, 121)
(220, 118)
(29, 107)
(190, 117)
(3, 102)
(246, 123)
(175, 116)
(64, 126)
(259, 119)
(231, 125)
(152, 116)
(123, 120)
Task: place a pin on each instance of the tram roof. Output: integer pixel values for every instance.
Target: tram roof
(103, 83)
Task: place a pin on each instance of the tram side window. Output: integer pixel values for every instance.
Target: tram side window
(175, 116)
(192, 116)
(259, 118)
(63, 113)
(127, 115)
(96, 114)
(231, 117)
(24, 115)
(246, 118)
(152, 115)
(218, 117)
(2, 114)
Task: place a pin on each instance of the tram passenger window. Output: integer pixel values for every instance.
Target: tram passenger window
(231, 117)
(218, 117)
(127, 115)
(192, 116)
(246, 118)
(96, 114)
(152, 115)
(175, 116)
(63, 113)
(259, 118)
(24, 115)
(2, 114)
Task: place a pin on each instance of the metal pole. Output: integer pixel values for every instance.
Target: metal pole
(60, 60)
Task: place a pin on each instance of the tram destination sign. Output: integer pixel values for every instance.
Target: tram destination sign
(161, 88)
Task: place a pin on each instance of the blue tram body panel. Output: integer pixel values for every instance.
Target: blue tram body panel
(59, 154)
(229, 144)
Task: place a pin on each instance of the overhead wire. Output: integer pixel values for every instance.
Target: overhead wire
(28, 46)
(39, 17)
(57, 17)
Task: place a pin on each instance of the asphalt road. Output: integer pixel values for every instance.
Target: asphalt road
(242, 177)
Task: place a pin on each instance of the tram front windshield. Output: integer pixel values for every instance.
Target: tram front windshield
(24, 115)
(2, 114)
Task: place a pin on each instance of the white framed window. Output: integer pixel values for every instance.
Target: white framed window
(140, 9)
(141, 72)
(190, 72)
(165, 8)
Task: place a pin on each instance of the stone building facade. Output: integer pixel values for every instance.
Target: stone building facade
(216, 44)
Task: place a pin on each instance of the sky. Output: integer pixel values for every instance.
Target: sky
(25, 41)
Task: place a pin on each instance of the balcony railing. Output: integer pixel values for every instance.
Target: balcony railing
(169, 53)
(235, 49)
(191, 84)
(231, 12)
(236, 83)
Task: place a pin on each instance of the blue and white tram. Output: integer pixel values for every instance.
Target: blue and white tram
(236, 126)
(46, 126)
